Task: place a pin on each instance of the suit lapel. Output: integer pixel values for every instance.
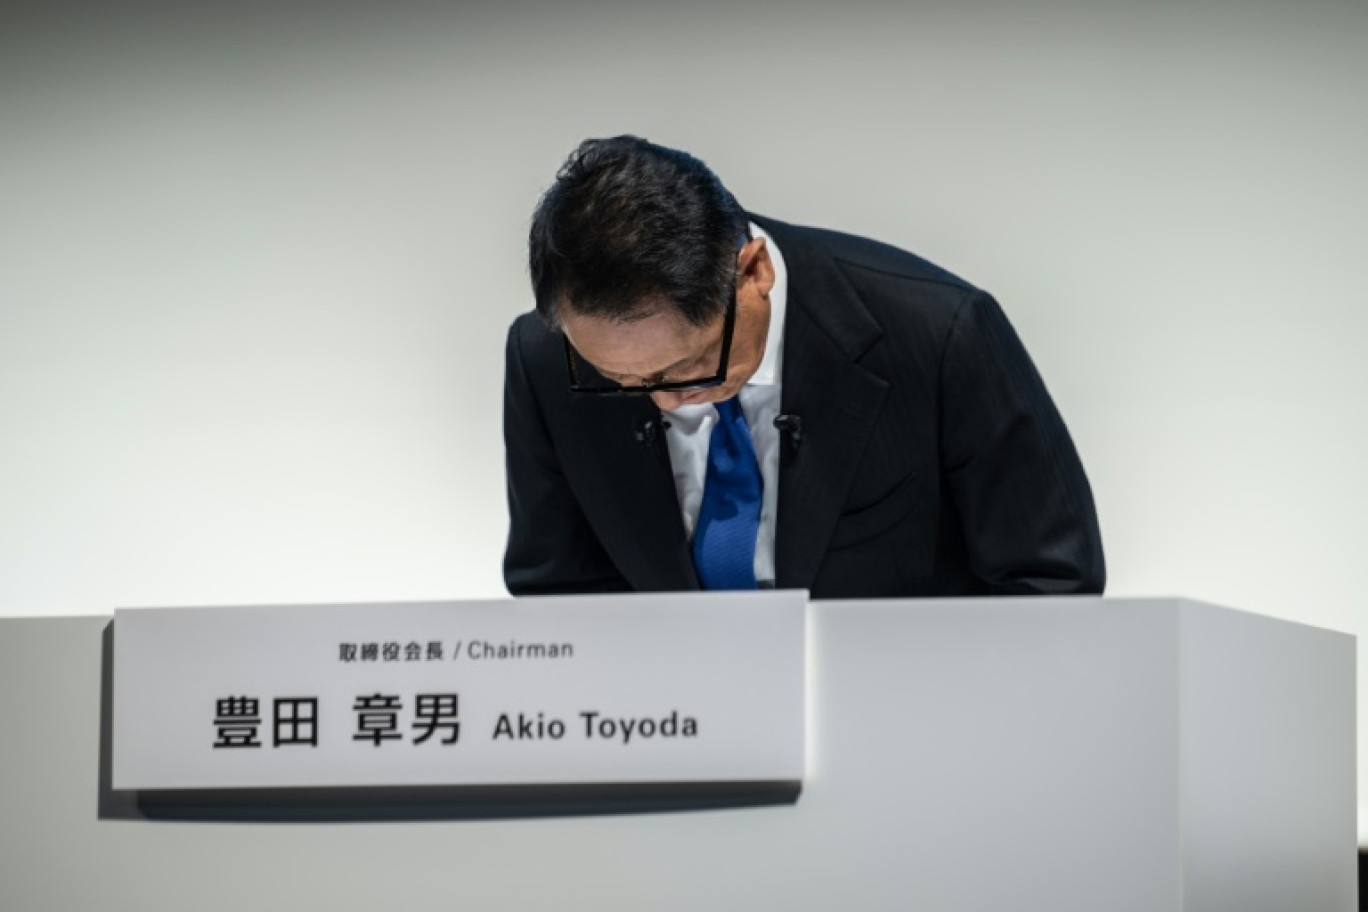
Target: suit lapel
(636, 505)
(827, 329)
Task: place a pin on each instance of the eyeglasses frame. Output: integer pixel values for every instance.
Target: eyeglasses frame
(668, 386)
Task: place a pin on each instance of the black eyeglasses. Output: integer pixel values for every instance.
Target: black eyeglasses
(598, 385)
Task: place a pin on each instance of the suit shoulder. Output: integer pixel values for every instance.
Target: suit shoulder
(532, 337)
(858, 254)
(527, 327)
(535, 356)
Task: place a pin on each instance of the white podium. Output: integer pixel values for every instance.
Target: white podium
(1060, 755)
(1083, 755)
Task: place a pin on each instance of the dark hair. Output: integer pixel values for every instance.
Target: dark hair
(629, 226)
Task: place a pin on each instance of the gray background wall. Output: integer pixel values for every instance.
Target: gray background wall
(256, 265)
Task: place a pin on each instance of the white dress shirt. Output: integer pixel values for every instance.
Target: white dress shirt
(691, 427)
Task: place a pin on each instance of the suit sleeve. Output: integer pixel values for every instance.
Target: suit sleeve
(551, 546)
(1024, 502)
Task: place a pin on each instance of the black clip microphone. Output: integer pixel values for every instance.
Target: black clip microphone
(792, 426)
(649, 431)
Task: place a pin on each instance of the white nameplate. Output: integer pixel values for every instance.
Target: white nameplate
(558, 690)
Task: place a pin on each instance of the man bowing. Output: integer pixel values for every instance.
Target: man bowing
(708, 398)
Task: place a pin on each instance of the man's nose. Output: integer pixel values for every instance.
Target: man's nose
(668, 401)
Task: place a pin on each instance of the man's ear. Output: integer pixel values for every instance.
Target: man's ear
(754, 263)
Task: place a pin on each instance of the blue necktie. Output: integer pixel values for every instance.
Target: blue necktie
(729, 517)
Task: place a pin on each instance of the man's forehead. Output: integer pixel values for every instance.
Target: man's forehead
(642, 347)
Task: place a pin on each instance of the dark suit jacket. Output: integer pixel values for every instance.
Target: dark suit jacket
(933, 461)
